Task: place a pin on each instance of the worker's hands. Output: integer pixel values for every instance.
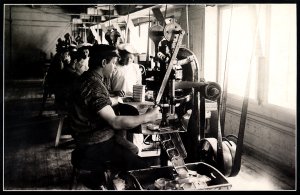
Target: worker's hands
(120, 93)
(154, 113)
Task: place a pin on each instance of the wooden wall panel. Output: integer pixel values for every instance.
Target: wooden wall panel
(31, 35)
(269, 140)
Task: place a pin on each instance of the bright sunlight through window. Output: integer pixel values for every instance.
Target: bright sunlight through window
(262, 37)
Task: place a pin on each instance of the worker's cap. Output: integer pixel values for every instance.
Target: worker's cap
(84, 46)
(103, 50)
(72, 48)
(67, 35)
(127, 47)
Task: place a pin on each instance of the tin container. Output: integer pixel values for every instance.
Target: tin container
(147, 179)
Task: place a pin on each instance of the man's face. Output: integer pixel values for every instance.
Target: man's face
(86, 53)
(109, 67)
(66, 58)
(130, 58)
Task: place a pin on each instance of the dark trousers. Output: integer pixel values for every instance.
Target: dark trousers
(96, 157)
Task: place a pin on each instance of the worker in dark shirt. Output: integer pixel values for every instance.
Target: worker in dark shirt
(65, 79)
(94, 121)
(52, 81)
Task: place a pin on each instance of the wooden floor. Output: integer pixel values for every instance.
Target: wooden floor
(31, 162)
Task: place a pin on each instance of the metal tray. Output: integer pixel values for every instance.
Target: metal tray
(144, 179)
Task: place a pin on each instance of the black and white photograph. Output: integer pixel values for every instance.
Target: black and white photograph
(102, 96)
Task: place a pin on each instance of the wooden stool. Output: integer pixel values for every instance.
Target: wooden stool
(78, 171)
(62, 117)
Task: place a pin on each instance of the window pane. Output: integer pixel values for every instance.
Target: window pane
(240, 48)
(275, 43)
(140, 43)
(282, 56)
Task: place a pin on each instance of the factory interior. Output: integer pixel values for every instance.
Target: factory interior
(222, 75)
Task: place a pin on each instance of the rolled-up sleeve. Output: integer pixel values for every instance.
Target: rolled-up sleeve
(96, 96)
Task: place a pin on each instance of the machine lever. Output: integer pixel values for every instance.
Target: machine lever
(166, 77)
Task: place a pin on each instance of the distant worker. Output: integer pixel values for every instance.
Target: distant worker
(82, 63)
(127, 72)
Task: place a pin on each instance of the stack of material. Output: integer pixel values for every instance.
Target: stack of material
(139, 93)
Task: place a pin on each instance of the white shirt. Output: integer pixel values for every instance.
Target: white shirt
(124, 77)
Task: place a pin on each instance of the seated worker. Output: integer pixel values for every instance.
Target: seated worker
(54, 74)
(56, 66)
(82, 59)
(127, 72)
(66, 79)
(93, 121)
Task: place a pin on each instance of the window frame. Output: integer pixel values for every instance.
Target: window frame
(258, 107)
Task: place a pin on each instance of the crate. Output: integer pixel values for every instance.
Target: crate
(144, 179)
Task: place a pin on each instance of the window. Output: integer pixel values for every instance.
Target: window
(140, 43)
(282, 56)
(263, 37)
